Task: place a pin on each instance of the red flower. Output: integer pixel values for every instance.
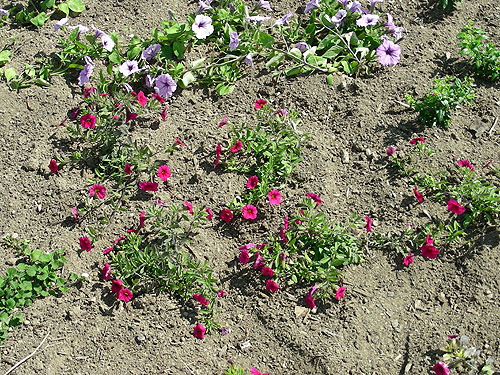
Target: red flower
(199, 331)
(124, 295)
(414, 141)
(142, 98)
(340, 293)
(260, 103)
(223, 122)
(201, 299)
(272, 286)
(158, 97)
(164, 172)
(226, 215)
(368, 224)
(310, 301)
(465, 163)
(127, 169)
(408, 259)
(252, 182)
(218, 150)
(85, 244)
(189, 207)
(428, 250)
(274, 197)
(106, 272)
(249, 212)
(88, 121)
(266, 271)
(420, 197)
(244, 257)
(148, 186)
(221, 293)
(210, 214)
(455, 207)
(116, 286)
(236, 147)
(53, 166)
(440, 368)
(98, 190)
(314, 197)
(259, 261)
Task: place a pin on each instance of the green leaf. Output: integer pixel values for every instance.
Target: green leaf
(63, 7)
(188, 78)
(76, 6)
(329, 79)
(26, 285)
(9, 74)
(333, 52)
(293, 71)
(197, 63)
(275, 60)
(39, 20)
(115, 58)
(47, 4)
(4, 57)
(31, 271)
(266, 39)
(178, 49)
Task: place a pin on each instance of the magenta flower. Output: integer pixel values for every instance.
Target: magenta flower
(233, 41)
(368, 224)
(159, 98)
(249, 212)
(221, 293)
(128, 67)
(74, 211)
(108, 250)
(286, 223)
(259, 103)
(223, 122)
(201, 299)
(340, 293)
(165, 85)
(130, 116)
(141, 219)
(254, 371)
(244, 257)
(455, 207)
(202, 26)
(142, 99)
(210, 214)
(189, 207)
(390, 151)
(124, 295)
(85, 244)
(226, 215)
(282, 235)
(440, 368)
(465, 163)
(199, 331)
(368, 20)
(408, 259)
(116, 286)
(266, 271)
(272, 286)
(164, 172)
(106, 272)
(127, 169)
(53, 166)
(236, 147)
(314, 197)
(218, 150)
(252, 182)
(98, 190)
(88, 121)
(163, 114)
(148, 186)
(420, 197)
(310, 301)
(151, 51)
(414, 141)
(178, 142)
(248, 246)
(274, 197)
(388, 53)
(259, 261)
(428, 250)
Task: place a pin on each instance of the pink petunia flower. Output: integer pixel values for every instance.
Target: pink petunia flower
(236, 147)
(428, 250)
(465, 163)
(142, 99)
(286, 224)
(244, 257)
(440, 368)
(127, 169)
(130, 116)
(408, 259)
(455, 207)
(189, 207)
(164, 172)
(221, 293)
(340, 293)
(116, 286)
(254, 371)
(272, 286)
(314, 197)
(108, 250)
(226, 215)
(282, 235)
(453, 336)
(106, 272)
(488, 163)
(201, 299)
(260, 103)
(390, 151)
(179, 142)
(414, 141)
(98, 190)
(252, 182)
(368, 224)
(310, 301)
(163, 114)
(223, 122)
(248, 246)
(88, 121)
(210, 214)
(85, 244)
(124, 295)
(218, 150)
(420, 197)
(249, 212)
(74, 211)
(266, 271)
(141, 219)
(148, 186)
(159, 98)
(274, 197)
(199, 331)
(53, 166)
(259, 261)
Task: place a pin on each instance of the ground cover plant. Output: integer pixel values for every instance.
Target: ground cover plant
(232, 212)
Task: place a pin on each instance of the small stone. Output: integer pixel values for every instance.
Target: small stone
(344, 157)
(441, 297)
(140, 338)
(369, 153)
(419, 305)
(244, 345)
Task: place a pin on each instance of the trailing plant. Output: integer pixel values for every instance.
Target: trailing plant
(38, 12)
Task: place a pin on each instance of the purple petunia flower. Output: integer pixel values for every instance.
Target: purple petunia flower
(302, 46)
(151, 51)
(86, 71)
(264, 5)
(202, 26)
(313, 4)
(129, 67)
(60, 23)
(171, 15)
(338, 18)
(81, 29)
(388, 53)
(367, 20)
(203, 7)
(4, 12)
(233, 41)
(128, 87)
(98, 33)
(354, 6)
(165, 85)
(149, 81)
(107, 43)
(283, 20)
(249, 59)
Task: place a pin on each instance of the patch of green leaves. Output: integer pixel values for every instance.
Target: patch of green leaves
(37, 13)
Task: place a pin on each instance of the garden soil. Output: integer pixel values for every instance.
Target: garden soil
(392, 320)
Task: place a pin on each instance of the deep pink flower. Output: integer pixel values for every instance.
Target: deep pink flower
(254, 371)
(259, 103)
(414, 141)
(314, 197)
(428, 250)
(252, 182)
(159, 98)
(210, 214)
(98, 190)
(130, 116)
(340, 293)
(106, 272)
(85, 244)
(163, 114)
(221, 293)
(249, 212)
(272, 286)
(440, 368)
(286, 224)
(223, 122)
(310, 301)
(455, 207)
(218, 150)
(453, 336)
(148, 186)
(88, 121)
(124, 295)
(189, 207)
(244, 257)
(488, 163)
(87, 91)
(266, 271)
(465, 163)
(74, 211)
(420, 197)
(108, 250)
(164, 172)
(199, 331)
(274, 197)
(408, 259)
(368, 224)
(259, 261)
(282, 258)
(236, 147)
(53, 166)
(141, 218)
(127, 169)
(116, 286)
(142, 98)
(226, 215)
(282, 235)
(390, 151)
(247, 246)
(201, 299)
(179, 142)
